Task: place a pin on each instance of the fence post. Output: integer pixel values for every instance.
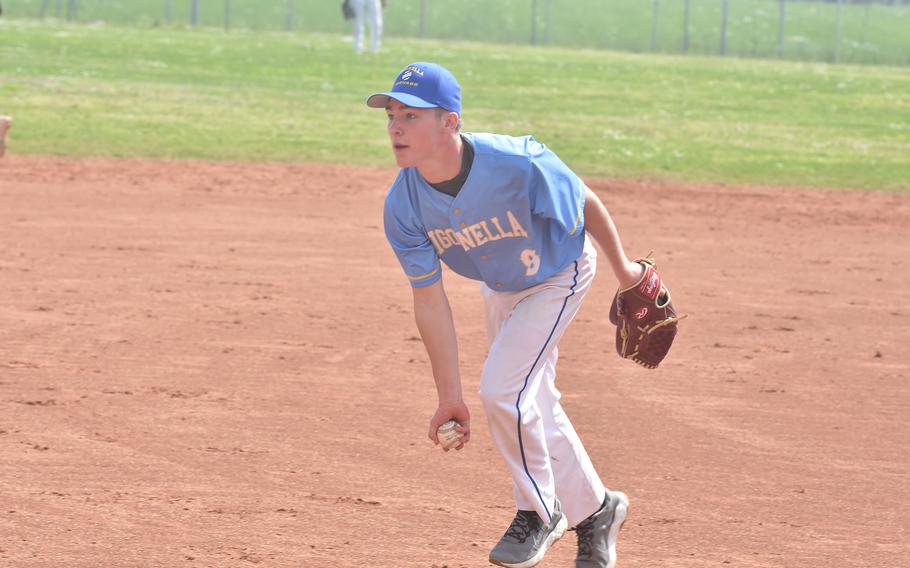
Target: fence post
(548, 17)
(227, 15)
(780, 27)
(840, 9)
(167, 11)
(686, 26)
(289, 18)
(723, 27)
(655, 23)
(72, 10)
(44, 8)
(194, 15)
(534, 22)
(865, 20)
(58, 9)
(422, 31)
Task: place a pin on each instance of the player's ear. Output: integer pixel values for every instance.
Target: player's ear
(449, 119)
(452, 120)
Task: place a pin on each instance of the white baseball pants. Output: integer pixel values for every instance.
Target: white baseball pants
(518, 389)
(371, 11)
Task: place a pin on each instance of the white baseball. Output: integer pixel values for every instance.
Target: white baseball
(448, 435)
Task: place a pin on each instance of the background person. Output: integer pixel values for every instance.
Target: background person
(5, 123)
(369, 12)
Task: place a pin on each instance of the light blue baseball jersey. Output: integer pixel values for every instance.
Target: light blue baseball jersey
(517, 220)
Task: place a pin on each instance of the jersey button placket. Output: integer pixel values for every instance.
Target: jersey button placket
(457, 211)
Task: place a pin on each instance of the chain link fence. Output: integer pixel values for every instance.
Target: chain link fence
(849, 31)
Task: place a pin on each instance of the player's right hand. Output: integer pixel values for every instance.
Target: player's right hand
(457, 411)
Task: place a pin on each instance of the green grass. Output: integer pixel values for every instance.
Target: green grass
(172, 93)
(870, 33)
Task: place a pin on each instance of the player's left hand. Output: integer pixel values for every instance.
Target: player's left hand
(457, 411)
(645, 317)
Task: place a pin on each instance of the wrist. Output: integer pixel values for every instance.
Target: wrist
(451, 400)
(630, 274)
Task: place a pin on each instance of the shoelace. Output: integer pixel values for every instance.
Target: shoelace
(585, 532)
(524, 523)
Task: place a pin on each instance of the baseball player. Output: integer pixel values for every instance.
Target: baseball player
(508, 212)
(371, 10)
(5, 124)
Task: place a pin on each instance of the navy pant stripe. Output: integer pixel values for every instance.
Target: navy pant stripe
(527, 378)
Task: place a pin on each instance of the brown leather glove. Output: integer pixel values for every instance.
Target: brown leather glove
(645, 318)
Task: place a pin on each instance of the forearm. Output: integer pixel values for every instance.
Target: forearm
(599, 224)
(437, 330)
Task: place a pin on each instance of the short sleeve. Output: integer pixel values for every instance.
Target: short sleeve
(556, 192)
(409, 241)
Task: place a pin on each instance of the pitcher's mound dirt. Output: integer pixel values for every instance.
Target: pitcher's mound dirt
(215, 365)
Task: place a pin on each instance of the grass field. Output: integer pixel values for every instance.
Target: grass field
(177, 93)
(869, 33)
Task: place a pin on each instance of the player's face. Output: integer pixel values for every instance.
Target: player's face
(415, 133)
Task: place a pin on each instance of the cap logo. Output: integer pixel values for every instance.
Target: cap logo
(406, 75)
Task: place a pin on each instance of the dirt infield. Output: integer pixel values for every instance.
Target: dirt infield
(215, 365)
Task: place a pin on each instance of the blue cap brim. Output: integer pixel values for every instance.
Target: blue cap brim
(381, 100)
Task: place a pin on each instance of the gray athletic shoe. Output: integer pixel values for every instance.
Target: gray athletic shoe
(597, 534)
(528, 538)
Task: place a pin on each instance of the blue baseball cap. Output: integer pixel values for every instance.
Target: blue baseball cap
(422, 85)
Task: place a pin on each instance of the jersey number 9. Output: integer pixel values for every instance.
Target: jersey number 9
(531, 260)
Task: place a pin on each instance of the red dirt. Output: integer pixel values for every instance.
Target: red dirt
(215, 365)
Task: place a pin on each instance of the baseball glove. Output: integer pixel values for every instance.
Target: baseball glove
(347, 10)
(645, 318)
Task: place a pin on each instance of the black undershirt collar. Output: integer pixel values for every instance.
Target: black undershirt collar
(454, 185)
